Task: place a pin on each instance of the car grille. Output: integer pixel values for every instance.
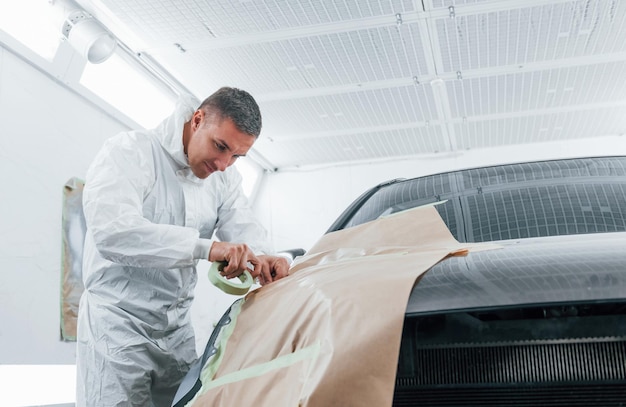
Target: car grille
(580, 372)
(566, 395)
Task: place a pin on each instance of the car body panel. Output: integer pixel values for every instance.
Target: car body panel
(533, 314)
(544, 270)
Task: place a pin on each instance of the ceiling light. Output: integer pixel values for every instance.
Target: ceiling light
(87, 36)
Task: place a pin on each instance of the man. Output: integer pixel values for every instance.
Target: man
(152, 201)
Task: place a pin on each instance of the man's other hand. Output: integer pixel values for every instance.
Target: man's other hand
(270, 268)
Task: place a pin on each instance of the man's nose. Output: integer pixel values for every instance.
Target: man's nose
(221, 164)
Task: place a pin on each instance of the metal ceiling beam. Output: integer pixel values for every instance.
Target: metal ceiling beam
(563, 63)
(451, 121)
(353, 131)
(286, 34)
(370, 161)
(442, 105)
(434, 62)
(335, 90)
(448, 76)
(490, 6)
(260, 159)
(544, 111)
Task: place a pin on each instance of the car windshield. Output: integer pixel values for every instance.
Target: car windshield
(548, 198)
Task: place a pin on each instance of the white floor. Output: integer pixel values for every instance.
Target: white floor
(38, 385)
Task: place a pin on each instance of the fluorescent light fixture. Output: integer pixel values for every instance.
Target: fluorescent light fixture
(32, 24)
(88, 36)
(127, 89)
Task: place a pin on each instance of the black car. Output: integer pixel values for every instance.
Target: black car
(542, 321)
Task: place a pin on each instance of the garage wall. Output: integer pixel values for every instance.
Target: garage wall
(47, 136)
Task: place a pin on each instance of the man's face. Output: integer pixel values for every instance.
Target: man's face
(214, 144)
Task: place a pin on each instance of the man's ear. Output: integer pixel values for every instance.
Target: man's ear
(196, 119)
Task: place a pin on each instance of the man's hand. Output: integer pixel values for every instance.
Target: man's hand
(270, 268)
(237, 255)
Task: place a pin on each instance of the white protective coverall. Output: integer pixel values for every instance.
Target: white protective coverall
(149, 219)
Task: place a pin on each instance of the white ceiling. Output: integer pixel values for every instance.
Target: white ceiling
(356, 81)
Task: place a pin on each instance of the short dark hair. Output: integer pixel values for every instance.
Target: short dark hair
(237, 105)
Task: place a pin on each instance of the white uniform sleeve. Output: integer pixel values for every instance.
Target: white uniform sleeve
(236, 222)
(115, 187)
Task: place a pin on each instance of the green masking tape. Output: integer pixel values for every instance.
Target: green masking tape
(226, 285)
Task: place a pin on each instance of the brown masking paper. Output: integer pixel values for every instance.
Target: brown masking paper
(329, 333)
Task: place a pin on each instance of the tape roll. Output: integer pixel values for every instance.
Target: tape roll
(226, 285)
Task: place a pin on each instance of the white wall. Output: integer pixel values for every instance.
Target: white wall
(47, 135)
(299, 206)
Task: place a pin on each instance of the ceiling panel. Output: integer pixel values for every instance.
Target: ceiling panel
(350, 112)
(392, 144)
(541, 128)
(359, 80)
(531, 92)
(518, 36)
(447, 3)
(166, 22)
(378, 54)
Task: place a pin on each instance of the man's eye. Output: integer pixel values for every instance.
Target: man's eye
(220, 147)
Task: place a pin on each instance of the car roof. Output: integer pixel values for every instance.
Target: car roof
(556, 197)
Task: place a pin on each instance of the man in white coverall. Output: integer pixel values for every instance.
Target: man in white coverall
(152, 200)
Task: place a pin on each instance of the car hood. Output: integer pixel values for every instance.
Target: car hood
(336, 316)
(546, 270)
